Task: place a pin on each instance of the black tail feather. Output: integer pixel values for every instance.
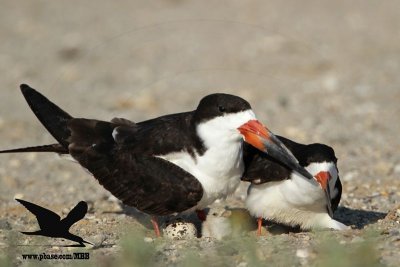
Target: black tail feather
(53, 118)
(57, 148)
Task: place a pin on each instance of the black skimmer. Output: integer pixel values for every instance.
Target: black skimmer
(279, 194)
(51, 224)
(167, 165)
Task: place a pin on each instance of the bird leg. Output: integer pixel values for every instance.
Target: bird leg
(259, 222)
(201, 214)
(155, 226)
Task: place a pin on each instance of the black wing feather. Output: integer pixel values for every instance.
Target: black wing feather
(121, 154)
(76, 214)
(161, 135)
(53, 118)
(261, 168)
(46, 218)
(141, 180)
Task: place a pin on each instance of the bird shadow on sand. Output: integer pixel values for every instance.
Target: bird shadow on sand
(144, 219)
(357, 218)
(91, 247)
(52, 245)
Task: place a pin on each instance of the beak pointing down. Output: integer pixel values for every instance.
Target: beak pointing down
(264, 140)
(323, 179)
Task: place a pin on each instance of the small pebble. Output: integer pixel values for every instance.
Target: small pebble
(19, 196)
(148, 239)
(97, 240)
(302, 253)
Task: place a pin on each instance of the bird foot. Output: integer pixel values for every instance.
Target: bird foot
(155, 226)
(201, 214)
(259, 224)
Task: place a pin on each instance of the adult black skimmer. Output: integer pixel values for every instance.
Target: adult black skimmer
(279, 194)
(51, 224)
(166, 165)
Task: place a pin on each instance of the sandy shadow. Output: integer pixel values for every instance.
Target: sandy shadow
(144, 219)
(51, 245)
(356, 217)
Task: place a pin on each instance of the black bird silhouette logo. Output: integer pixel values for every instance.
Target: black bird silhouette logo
(51, 224)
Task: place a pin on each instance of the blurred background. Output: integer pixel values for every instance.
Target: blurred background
(314, 71)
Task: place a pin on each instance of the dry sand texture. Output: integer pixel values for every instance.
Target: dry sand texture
(314, 71)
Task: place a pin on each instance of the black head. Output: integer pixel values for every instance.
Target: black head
(321, 161)
(215, 105)
(316, 153)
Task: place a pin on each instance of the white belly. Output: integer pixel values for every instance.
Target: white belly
(293, 201)
(218, 170)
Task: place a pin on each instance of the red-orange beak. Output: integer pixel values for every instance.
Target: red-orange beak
(323, 179)
(263, 139)
(254, 132)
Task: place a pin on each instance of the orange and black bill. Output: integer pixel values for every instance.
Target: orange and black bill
(323, 179)
(263, 139)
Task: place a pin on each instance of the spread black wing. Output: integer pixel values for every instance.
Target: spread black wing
(76, 214)
(126, 166)
(46, 218)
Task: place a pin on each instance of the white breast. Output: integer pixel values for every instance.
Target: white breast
(295, 201)
(220, 168)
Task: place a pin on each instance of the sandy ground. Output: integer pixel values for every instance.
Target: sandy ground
(314, 71)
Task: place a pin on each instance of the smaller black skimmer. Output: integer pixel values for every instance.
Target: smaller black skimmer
(167, 165)
(51, 224)
(279, 194)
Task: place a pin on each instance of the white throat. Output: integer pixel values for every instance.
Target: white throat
(316, 167)
(220, 168)
(222, 129)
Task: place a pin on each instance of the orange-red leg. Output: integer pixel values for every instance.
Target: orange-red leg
(155, 226)
(259, 222)
(201, 214)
